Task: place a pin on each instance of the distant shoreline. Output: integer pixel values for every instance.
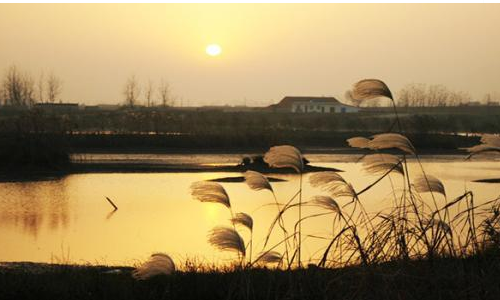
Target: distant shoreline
(251, 151)
(137, 166)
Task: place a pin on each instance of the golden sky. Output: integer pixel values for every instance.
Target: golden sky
(269, 50)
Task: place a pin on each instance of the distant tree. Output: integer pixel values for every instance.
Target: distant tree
(164, 91)
(412, 95)
(131, 91)
(149, 93)
(40, 88)
(12, 86)
(2, 96)
(54, 87)
(421, 95)
(28, 90)
(491, 98)
(18, 88)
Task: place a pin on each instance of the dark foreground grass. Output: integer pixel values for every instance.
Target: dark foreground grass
(475, 277)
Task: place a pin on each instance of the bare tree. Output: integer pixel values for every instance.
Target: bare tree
(131, 91)
(12, 85)
(18, 88)
(40, 87)
(164, 91)
(28, 90)
(149, 93)
(2, 96)
(420, 95)
(54, 86)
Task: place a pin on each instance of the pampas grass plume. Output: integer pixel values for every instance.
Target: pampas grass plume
(285, 157)
(213, 192)
(226, 239)
(158, 264)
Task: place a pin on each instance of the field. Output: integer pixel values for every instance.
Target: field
(150, 130)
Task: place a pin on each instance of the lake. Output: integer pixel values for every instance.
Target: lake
(69, 219)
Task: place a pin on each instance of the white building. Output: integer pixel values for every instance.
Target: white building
(314, 105)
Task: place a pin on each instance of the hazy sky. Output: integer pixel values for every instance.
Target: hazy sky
(269, 51)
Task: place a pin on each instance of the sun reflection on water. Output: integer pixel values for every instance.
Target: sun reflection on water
(156, 212)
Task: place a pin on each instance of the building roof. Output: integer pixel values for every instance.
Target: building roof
(288, 101)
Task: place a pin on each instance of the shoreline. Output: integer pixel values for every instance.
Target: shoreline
(83, 166)
(474, 277)
(253, 151)
(103, 168)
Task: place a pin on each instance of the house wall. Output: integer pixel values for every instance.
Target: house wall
(302, 107)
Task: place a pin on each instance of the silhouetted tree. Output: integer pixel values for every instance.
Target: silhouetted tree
(421, 95)
(491, 98)
(54, 86)
(18, 88)
(164, 91)
(132, 91)
(149, 93)
(40, 87)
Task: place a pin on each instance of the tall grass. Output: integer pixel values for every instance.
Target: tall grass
(411, 228)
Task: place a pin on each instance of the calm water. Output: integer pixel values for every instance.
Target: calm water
(70, 220)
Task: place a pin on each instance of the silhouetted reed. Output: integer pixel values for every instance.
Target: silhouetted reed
(158, 264)
(412, 228)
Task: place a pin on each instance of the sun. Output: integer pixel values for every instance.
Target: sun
(213, 50)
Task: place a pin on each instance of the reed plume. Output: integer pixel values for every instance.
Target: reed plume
(489, 143)
(269, 257)
(368, 89)
(205, 191)
(327, 203)
(158, 263)
(256, 181)
(332, 183)
(285, 157)
(429, 183)
(491, 139)
(358, 142)
(226, 239)
(382, 163)
(391, 140)
(244, 220)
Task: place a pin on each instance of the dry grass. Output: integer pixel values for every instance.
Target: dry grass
(285, 157)
(429, 184)
(332, 183)
(409, 232)
(227, 239)
(213, 192)
(256, 181)
(244, 220)
(158, 264)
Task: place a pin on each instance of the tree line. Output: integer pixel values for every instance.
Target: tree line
(152, 95)
(423, 95)
(434, 95)
(20, 88)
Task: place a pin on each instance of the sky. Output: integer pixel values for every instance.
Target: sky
(268, 50)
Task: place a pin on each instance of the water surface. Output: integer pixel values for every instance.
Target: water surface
(69, 220)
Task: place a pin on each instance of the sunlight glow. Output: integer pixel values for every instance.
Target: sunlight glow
(213, 50)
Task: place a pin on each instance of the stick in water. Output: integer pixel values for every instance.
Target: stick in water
(111, 202)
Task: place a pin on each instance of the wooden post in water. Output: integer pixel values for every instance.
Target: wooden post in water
(111, 202)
